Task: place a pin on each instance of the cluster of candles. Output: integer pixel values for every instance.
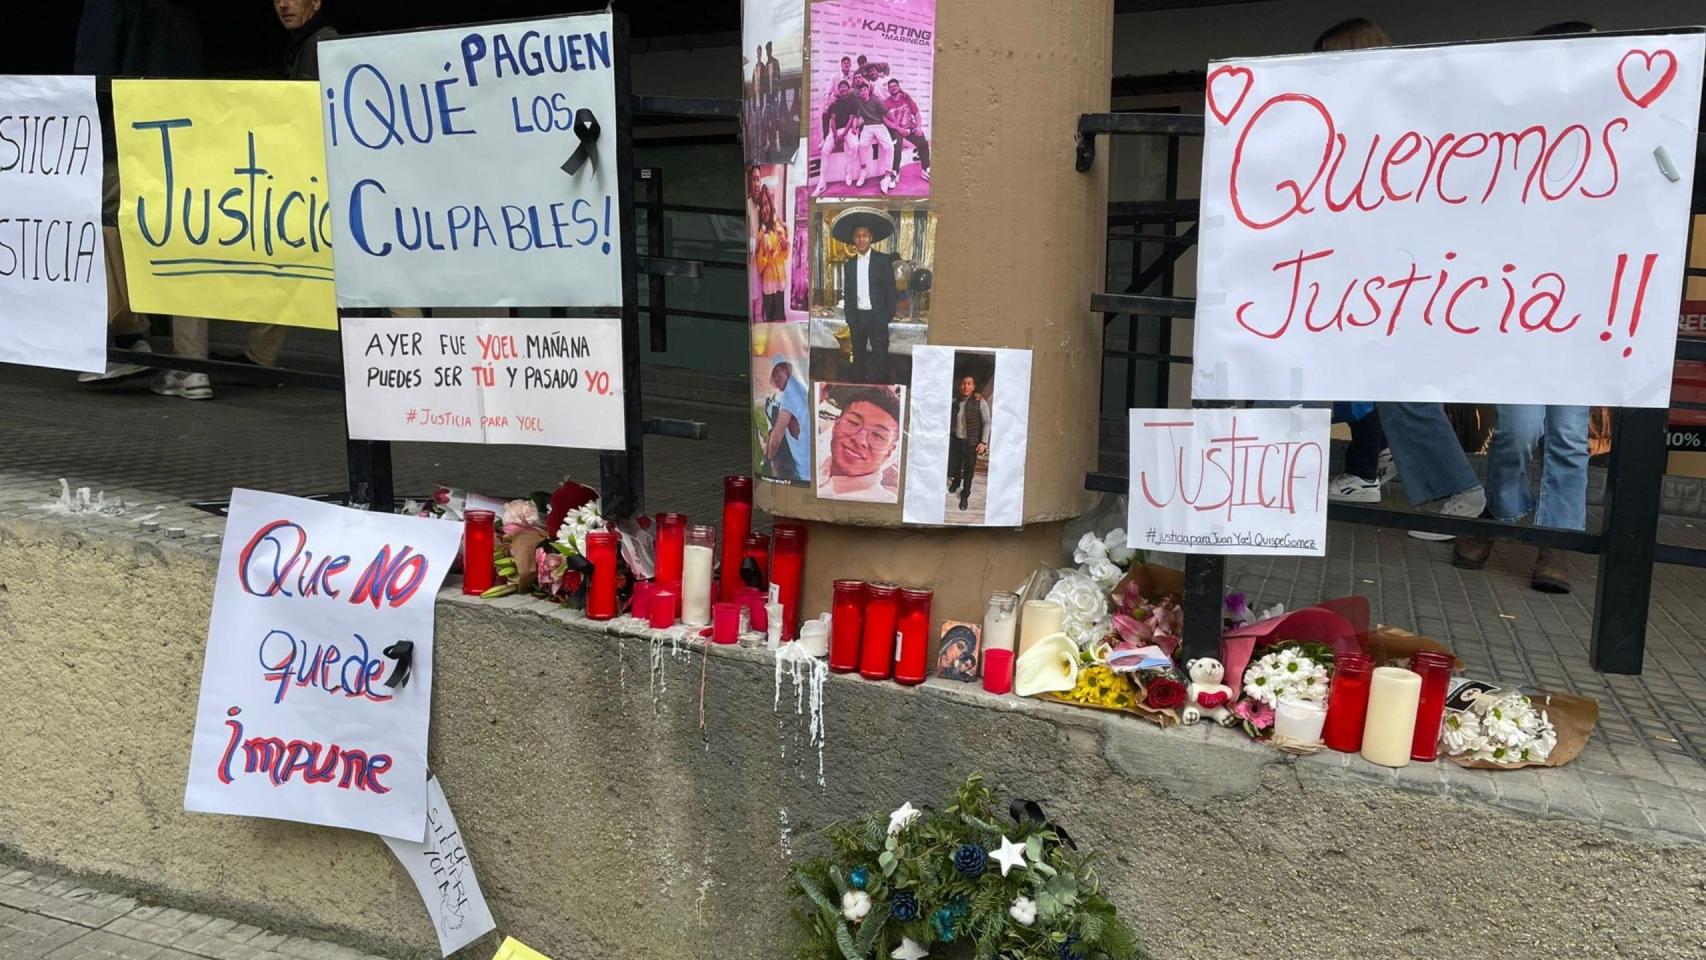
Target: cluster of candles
(1388, 714)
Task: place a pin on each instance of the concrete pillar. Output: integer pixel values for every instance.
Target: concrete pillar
(1019, 249)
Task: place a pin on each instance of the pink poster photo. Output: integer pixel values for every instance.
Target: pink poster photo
(869, 128)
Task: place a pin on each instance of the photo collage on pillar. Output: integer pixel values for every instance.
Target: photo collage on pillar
(840, 230)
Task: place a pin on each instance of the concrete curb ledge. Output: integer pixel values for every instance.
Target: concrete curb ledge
(624, 794)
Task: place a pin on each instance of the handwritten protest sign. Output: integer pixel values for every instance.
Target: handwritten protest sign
(53, 267)
(1498, 223)
(1230, 481)
(552, 382)
(224, 207)
(444, 875)
(298, 719)
(475, 166)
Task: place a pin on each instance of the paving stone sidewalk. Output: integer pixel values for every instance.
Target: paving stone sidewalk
(46, 918)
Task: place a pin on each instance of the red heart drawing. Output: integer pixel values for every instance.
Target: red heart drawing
(1221, 73)
(1658, 86)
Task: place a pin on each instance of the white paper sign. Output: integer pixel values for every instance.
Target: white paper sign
(295, 720)
(447, 150)
(1002, 380)
(1496, 223)
(445, 877)
(551, 382)
(1230, 481)
(53, 265)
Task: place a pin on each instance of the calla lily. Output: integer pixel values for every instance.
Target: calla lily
(1049, 666)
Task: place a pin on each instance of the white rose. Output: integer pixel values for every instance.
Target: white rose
(1023, 911)
(855, 904)
(1106, 575)
(1119, 551)
(1089, 548)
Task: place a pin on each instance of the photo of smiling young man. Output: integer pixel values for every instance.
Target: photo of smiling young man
(859, 442)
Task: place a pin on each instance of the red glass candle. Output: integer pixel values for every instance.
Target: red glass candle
(1435, 670)
(1347, 702)
(641, 599)
(752, 600)
(725, 622)
(914, 661)
(876, 650)
(479, 540)
(737, 523)
(757, 549)
(660, 612)
(787, 569)
(601, 594)
(998, 671)
(671, 541)
(847, 623)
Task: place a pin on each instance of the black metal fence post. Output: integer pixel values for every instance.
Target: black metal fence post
(1628, 536)
(622, 473)
(657, 246)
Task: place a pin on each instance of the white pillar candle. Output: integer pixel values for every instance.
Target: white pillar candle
(1393, 695)
(696, 586)
(1041, 619)
(1299, 720)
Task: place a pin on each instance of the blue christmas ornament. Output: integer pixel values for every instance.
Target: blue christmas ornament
(942, 921)
(1069, 950)
(859, 878)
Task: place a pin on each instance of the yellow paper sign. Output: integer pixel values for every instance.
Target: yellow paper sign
(513, 949)
(223, 208)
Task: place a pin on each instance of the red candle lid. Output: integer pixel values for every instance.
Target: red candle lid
(881, 589)
(915, 593)
(479, 516)
(672, 519)
(737, 486)
(788, 533)
(601, 537)
(757, 540)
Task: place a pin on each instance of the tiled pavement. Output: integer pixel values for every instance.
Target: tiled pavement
(1646, 764)
(44, 918)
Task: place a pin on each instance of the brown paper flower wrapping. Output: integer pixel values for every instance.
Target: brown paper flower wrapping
(1572, 717)
(1100, 688)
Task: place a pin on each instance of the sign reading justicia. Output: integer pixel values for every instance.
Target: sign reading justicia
(1498, 223)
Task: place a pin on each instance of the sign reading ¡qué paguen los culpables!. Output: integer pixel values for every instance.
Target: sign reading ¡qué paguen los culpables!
(475, 166)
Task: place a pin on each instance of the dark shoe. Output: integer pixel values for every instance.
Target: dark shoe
(953, 485)
(965, 498)
(1471, 553)
(1551, 572)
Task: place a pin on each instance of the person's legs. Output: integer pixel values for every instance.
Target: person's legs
(878, 360)
(894, 152)
(189, 339)
(1509, 495)
(1362, 457)
(1430, 459)
(857, 334)
(956, 449)
(266, 342)
(1564, 469)
(921, 145)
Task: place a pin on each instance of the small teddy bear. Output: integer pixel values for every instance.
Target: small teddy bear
(1207, 696)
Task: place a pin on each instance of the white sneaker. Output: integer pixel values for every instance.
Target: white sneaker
(1387, 471)
(1470, 503)
(861, 179)
(176, 383)
(116, 372)
(1350, 488)
(886, 184)
(926, 174)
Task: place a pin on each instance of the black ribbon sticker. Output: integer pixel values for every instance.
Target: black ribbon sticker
(582, 566)
(750, 574)
(586, 129)
(403, 651)
(1029, 810)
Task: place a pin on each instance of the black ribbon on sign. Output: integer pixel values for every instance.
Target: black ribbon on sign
(586, 129)
(403, 651)
(1023, 811)
(750, 574)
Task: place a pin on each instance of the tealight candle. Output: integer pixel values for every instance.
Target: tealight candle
(1299, 720)
(814, 638)
(1041, 618)
(1393, 695)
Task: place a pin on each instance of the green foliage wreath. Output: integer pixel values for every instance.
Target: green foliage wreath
(935, 882)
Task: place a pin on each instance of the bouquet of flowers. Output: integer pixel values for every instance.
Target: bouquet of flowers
(953, 883)
(547, 558)
(1297, 671)
(1500, 727)
(1083, 608)
(1104, 559)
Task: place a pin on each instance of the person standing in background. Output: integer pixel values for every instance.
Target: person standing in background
(788, 445)
(770, 257)
(134, 38)
(305, 25)
(970, 438)
(776, 96)
(904, 122)
(867, 286)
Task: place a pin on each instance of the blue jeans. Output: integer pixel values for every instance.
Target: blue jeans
(1562, 434)
(1430, 460)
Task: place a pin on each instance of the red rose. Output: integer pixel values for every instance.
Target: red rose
(1165, 693)
(569, 496)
